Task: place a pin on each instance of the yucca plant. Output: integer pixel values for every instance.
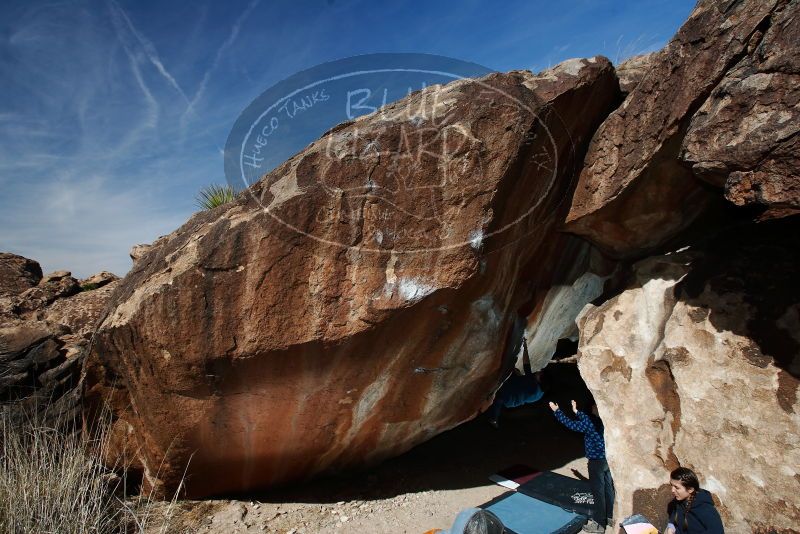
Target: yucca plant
(214, 195)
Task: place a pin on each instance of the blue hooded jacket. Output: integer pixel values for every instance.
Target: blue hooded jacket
(703, 518)
(519, 390)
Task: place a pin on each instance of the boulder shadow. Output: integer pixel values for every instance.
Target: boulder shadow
(463, 457)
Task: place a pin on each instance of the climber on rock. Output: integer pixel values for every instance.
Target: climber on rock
(519, 389)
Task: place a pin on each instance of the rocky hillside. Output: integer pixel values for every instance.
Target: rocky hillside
(45, 325)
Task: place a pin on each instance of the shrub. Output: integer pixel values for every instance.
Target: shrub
(215, 195)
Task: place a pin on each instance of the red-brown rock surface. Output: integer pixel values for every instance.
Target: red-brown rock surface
(255, 353)
(725, 87)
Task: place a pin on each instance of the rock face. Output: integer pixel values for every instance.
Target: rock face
(59, 284)
(697, 362)
(718, 107)
(80, 312)
(137, 251)
(40, 365)
(355, 303)
(575, 276)
(98, 280)
(633, 70)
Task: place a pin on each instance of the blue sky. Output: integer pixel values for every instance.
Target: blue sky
(114, 113)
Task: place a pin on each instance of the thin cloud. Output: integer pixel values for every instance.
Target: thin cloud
(147, 46)
(234, 32)
(151, 116)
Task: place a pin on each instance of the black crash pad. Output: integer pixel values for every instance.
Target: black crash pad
(568, 493)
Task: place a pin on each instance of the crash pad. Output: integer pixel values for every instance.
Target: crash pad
(522, 514)
(568, 493)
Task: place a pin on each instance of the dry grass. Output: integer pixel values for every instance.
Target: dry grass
(52, 481)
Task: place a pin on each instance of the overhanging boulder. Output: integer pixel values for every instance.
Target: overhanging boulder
(354, 302)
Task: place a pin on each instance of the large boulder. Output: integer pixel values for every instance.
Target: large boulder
(17, 274)
(717, 109)
(354, 302)
(744, 137)
(697, 363)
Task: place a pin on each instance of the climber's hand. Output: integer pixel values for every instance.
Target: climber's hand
(553, 406)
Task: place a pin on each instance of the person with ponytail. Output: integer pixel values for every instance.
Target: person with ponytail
(692, 509)
(599, 473)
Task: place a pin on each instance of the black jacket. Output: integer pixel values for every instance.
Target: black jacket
(703, 517)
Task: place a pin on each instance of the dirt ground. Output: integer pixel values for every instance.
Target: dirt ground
(420, 490)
